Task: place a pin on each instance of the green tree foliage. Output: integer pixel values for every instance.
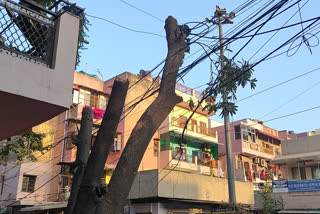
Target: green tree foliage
(226, 85)
(24, 146)
(271, 205)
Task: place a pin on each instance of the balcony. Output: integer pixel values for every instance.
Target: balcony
(37, 56)
(188, 163)
(257, 150)
(188, 93)
(194, 130)
(187, 186)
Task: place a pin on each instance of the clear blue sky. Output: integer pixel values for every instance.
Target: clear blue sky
(113, 50)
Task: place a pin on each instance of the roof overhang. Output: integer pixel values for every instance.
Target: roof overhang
(296, 157)
(48, 206)
(270, 135)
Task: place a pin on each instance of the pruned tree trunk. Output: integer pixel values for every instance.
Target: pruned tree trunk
(83, 143)
(126, 169)
(91, 181)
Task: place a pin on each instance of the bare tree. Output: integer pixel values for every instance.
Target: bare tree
(92, 198)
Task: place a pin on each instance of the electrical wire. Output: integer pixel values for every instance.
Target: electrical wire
(124, 27)
(142, 11)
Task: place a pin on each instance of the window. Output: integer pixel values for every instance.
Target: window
(194, 125)
(237, 132)
(248, 131)
(117, 145)
(94, 100)
(28, 183)
(246, 165)
(315, 172)
(240, 164)
(156, 143)
(75, 98)
(254, 167)
(102, 102)
(245, 135)
(203, 128)
(296, 175)
(84, 97)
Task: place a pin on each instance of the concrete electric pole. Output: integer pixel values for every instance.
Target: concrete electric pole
(221, 15)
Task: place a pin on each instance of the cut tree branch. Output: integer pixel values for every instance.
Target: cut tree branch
(126, 169)
(83, 143)
(91, 182)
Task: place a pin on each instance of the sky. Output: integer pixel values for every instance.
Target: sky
(113, 50)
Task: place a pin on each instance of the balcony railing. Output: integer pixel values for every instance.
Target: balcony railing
(259, 148)
(267, 150)
(201, 130)
(26, 32)
(193, 159)
(184, 89)
(254, 146)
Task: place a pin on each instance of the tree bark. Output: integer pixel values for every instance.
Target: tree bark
(126, 169)
(91, 181)
(83, 143)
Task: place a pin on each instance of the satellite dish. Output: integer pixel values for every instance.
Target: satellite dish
(232, 15)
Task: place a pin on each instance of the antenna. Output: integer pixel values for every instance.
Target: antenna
(98, 71)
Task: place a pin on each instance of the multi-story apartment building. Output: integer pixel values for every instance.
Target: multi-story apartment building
(254, 145)
(300, 158)
(38, 51)
(198, 150)
(289, 135)
(41, 184)
(171, 169)
(188, 179)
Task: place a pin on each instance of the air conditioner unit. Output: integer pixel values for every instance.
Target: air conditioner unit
(263, 162)
(256, 160)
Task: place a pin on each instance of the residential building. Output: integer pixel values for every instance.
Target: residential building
(189, 177)
(254, 145)
(288, 135)
(300, 158)
(193, 161)
(50, 176)
(38, 51)
(198, 151)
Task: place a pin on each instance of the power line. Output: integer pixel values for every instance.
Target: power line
(142, 11)
(295, 97)
(274, 86)
(288, 115)
(124, 27)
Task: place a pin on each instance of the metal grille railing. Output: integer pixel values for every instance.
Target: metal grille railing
(26, 32)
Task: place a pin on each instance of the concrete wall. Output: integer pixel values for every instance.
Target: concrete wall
(301, 145)
(41, 92)
(182, 185)
(293, 200)
(89, 82)
(36, 81)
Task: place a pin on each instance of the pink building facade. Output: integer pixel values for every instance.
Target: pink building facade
(254, 145)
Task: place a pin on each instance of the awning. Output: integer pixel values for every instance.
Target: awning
(296, 157)
(270, 135)
(47, 206)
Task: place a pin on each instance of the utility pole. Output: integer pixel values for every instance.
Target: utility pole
(221, 15)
